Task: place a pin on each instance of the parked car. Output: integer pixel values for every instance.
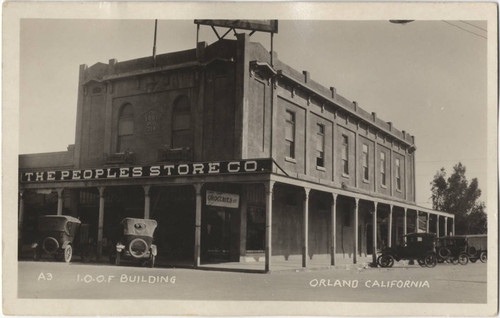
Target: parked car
(477, 247)
(453, 249)
(136, 242)
(55, 237)
(416, 246)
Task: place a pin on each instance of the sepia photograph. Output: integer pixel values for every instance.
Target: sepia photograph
(315, 159)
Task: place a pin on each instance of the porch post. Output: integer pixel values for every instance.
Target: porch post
(197, 230)
(59, 201)
(305, 230)
(20, 222)
(416, 221)
(269, 223)
(453, 226)
(146, 201)
(427, 222)
(333, 238)
(101, 221)
(445, 225)
(375, 231)
(437, 225)
(356, 241)
(389, 232)
(405, 223)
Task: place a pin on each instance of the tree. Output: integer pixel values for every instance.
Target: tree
(455, 195)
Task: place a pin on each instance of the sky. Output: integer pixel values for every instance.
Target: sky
(427, 77)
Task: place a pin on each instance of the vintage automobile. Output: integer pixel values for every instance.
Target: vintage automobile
(477, 247)
(452, 249)
(55, 237)
(417, 246)
(136, 242)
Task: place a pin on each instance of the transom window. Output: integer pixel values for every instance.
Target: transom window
(290, 134)
(320, 145)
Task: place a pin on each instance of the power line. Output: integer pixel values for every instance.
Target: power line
(464, 29)
(475, 26)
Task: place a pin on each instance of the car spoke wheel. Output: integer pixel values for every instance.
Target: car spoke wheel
(463, 259)
(444, 253)
(68, 253)
(483, 257)
(385, 261)
(430, 260)
(117, 259)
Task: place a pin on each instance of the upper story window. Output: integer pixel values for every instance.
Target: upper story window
(345, 155)
(365, 163)
(126, 128)
(181, 124)
(383, 180)
(320, 145)
(398, 174)
(290, 134)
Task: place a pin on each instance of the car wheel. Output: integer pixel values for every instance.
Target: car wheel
(483, 257)
(472, 251)
(444, 252)
(473, 260)
(68, 253)
(385, 260)
(463, 259)
(152, 262)
(430, 260)
(117, 259)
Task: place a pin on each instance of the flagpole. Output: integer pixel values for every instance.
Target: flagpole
(154, 44)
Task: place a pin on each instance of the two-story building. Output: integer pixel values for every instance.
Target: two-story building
(236, 155)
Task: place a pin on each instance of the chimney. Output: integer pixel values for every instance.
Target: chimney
(374, 116)
(355, 103)
(334, 91)
(390, 125)
(306, 76)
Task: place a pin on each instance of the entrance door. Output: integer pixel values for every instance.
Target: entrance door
(216, 241)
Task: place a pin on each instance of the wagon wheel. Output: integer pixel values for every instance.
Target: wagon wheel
(463, 259)
(430, 260)
(483, 257)
(68, 253)
(117, 259)
(385, 260)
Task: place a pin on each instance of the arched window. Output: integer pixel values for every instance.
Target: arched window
(181, 124)
(126, 129)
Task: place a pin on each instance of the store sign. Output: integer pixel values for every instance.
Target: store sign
(227, 200)
(163, 170)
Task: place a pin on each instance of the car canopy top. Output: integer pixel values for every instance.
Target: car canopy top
(48, 223)
(142, 227)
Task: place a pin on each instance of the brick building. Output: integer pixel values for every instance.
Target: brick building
(236, 156)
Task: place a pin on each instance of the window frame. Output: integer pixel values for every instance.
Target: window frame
(290, 143)
(397, 164)
(320, 153)
(383, 169)
(345, 151)
(365, 162)
(122, 118)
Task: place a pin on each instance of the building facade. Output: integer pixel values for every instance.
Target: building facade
(236, 155)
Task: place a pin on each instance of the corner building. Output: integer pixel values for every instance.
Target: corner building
(238, 159)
